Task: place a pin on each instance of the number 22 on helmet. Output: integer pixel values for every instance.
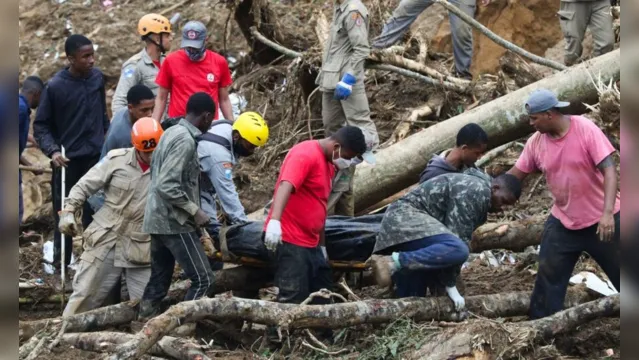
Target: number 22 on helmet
(145, 134)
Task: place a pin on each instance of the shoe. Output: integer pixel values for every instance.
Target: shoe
(148, 310)
(383, 268)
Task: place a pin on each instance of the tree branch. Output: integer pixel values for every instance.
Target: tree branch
(497, 39)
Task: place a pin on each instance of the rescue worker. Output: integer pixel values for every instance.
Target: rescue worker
(73, 114)
(114, 243)
(462, 33)
(143, 67)
(28, 99)
(218, 151)
(577, 15)
(471, 144)
(430, 228)
(576, 158)
(173, 215)
(344, 101)
(193, 69)
(294, 227)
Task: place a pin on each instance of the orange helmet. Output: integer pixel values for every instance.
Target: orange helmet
(145, 134)
(153, 24)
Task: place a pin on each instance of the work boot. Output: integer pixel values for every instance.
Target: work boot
(383, 268)
(148, 310)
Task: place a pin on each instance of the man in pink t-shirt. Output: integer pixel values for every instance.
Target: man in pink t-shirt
(576, 158)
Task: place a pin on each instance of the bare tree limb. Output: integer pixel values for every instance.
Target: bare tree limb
(497, 39)
(326, 316)
(385, 67)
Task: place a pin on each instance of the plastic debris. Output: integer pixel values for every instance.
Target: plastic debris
(47, 255)
(239, 103)
(175, 18)
(594, 283)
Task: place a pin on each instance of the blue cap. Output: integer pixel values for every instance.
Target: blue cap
(543, 100)
(193, 35)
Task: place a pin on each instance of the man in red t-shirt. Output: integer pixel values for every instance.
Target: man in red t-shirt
(294, 227)
(576, 158)
(194, 69)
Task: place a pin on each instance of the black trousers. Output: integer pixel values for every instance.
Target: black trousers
(187, 249)
(300, 272)
(75, 170)
(560, 250)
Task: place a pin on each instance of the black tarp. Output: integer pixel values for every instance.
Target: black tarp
(347, 238)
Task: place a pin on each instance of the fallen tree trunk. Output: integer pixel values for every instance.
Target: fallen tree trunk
(291, 316)
(513, 235)
(488, 340)
(504, 119)
(519, 70)
(237, 278)
(105, 341)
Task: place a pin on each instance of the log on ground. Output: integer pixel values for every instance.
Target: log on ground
(512, 235)
(504, 119)
(290, 316)
(489, 340)
(105, 341)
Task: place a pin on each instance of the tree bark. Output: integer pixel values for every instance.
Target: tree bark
(291, 316)
(518, 69)
(487, 340)
(504, 119)
(512, 235)
(106, 341)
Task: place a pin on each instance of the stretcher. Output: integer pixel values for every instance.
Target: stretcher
(349, 243)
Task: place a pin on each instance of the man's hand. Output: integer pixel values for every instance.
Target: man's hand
(344, 88)
(67, 224)
(606, 228)
(273, 236)
(58, 160)
(201, 219)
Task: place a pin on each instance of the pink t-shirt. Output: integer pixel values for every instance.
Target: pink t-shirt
(570, 167)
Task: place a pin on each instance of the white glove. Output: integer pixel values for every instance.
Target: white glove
(67, 224)
(324, 252)
(273, 236)
(456, 297)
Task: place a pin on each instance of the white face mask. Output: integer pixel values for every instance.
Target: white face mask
(340, 162)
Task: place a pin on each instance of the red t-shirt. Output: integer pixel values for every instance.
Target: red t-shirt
(157, 63)
(144, 166)
(304, 216)
(184, 78)
(570, 166)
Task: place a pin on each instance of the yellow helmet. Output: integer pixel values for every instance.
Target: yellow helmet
(153, 24)
(252, 128)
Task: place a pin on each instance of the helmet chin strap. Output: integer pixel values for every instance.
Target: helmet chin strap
(159, 45)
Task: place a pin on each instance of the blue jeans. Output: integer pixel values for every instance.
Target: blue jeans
(427, 262)
(560, 250)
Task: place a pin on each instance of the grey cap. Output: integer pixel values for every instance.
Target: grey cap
(193, 35)
(543, 100)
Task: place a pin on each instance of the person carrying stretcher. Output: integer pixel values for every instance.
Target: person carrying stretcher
(114, 242)
(430, 227)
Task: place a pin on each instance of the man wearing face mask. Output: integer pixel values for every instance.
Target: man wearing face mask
(294, 228)
(194, 69)
(173, 215)
(218, 151)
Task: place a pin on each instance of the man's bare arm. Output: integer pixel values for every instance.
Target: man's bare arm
(225, 104)
(607, 168)
(280, 199)
(517, 173)
(160, 103)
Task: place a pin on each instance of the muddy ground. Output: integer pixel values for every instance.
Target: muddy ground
(533, 25)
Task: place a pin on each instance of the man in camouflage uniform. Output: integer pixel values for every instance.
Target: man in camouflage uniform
(143, 67)
(344, 101)
(173, 215)
(429, 229)
(575, 16)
